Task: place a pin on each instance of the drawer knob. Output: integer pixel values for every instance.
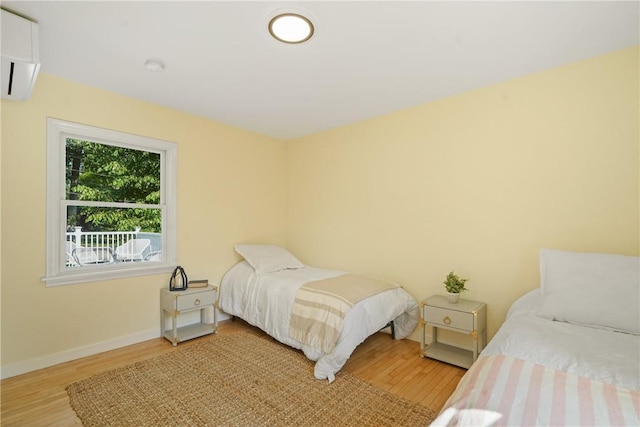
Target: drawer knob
(447, 320)
(196, 302)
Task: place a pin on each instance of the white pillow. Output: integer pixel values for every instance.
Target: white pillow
(268, 258)
(597, 290)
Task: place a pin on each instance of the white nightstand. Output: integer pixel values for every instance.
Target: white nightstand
(468, 319)
(173, 304)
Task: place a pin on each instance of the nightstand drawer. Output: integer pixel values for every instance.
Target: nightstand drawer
(449, 318)
(195, 300)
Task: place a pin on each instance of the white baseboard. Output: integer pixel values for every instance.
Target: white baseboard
(18, 368)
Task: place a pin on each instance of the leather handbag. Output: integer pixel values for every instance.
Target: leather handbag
(178, 281)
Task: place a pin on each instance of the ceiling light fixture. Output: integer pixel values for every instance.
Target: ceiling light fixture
(291, 28)
(155, 66)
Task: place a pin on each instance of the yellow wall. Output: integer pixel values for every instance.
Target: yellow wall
(231, 188)
(477, 183)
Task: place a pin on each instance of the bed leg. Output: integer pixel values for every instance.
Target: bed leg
(393, 329)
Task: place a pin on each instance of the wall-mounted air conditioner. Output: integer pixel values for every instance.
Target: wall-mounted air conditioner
(20, 61)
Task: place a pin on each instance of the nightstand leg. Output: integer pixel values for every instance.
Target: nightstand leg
(175, 329)
(475, 346)
(163, 326)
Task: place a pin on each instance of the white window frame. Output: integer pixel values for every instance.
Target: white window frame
(58, 131)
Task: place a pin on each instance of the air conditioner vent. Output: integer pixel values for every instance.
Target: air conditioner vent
(13, 64)
(20, 61)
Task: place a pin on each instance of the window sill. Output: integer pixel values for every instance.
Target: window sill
(98, 274)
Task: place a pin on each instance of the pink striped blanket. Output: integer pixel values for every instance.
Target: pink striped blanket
(505, 391)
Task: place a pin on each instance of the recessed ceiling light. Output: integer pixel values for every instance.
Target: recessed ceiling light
(291, 28)
(154, 66)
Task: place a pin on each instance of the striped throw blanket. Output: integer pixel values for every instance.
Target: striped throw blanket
(320, 307)
(505, 391)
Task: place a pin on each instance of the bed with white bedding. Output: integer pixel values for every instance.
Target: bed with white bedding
(567, 354)
(263, 293)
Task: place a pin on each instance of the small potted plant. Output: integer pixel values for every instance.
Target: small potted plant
(454, 285)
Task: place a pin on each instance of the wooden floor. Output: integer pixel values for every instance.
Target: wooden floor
(39, 398)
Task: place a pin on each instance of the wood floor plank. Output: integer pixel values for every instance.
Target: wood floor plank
(39, 398)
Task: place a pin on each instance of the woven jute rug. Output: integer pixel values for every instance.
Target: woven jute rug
(235, 380)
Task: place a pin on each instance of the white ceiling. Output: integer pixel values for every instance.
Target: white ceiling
(366, 58)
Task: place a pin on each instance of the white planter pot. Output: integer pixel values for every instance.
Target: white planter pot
(453, 298)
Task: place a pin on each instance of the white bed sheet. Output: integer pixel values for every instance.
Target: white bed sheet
(266, 300)
(609, 357)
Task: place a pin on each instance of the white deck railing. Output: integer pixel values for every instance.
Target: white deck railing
(107, 247)
(100, 239)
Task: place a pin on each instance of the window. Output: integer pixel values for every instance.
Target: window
(111, 204)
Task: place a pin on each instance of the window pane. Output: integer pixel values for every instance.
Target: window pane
(91, 218)
(115, 200)
(102, 235)
(100, 172)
